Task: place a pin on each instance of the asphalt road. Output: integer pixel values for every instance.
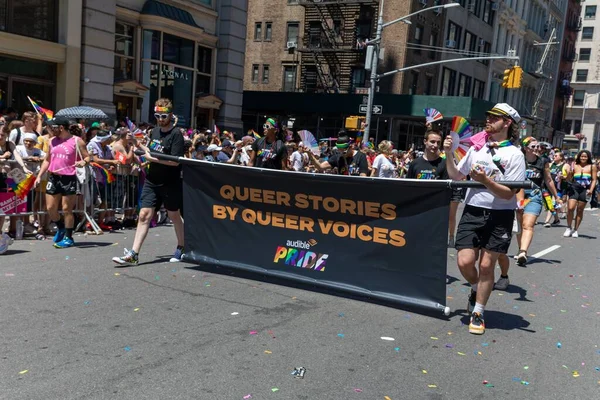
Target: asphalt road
(73, 326)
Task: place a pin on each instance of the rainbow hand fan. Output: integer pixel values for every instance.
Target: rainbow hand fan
(309, 140)
(20, 184)
(461, 133)
(432, 115)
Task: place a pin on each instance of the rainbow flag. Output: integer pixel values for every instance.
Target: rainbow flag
(255, 134)
(22, 188)
(217, 130)
(108, 176)
(47, 114)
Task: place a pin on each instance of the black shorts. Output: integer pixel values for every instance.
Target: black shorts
(577, 192)
(171, 195)
(480, 228)
(458, 195)
(65, 185)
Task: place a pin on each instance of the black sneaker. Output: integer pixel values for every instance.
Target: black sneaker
(471, 301)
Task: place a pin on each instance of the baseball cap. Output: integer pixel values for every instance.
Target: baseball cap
(504, 110)
(95, 125)
(60, 121)
(214, 147)
(226, 143)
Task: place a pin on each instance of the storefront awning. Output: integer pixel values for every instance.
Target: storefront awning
(130, 88)
(209, 101)
(152, 7)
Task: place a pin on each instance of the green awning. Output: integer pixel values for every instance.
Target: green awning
(394, 105)
(153, 7)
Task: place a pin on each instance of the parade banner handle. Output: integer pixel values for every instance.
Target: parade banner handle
(477, 185)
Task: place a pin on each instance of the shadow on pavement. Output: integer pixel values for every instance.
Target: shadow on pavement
(520, 291)
(587, 236)
(542, 260)
(450, 279)
(502, 321)
(158, 260)
(88, 245)
(9, 252)
(221, 270)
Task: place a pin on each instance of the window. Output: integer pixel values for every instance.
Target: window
(478, 89)
(433, 38)
(268, 31)
(587, 33)
(585, 54)
(124, 52)
(578, 96)
(487, 48)
(470, 43)
(488, 13)
(590, 12)
(292, 1)
(359, 78)
(178, 50)
(576, 126)
(581, 75)
(254, 73)
(32, 18)
(265, 77)
(204, 60)
(428, 86)
(453, 36)
(464, 86)
(418, 34)
(258, 31)
(448, 82)
(414, 82)
(292, 32)
(289, 78)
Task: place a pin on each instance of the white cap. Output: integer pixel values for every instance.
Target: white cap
(504, 110)
(30, 136)
(214, 147)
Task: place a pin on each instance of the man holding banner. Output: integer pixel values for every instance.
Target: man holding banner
(485, 229)
(163, 183)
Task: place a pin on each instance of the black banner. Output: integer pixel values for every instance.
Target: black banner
(381, 238)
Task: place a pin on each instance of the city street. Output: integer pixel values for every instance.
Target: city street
(76, 326)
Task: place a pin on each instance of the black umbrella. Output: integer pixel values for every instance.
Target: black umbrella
(84, 112)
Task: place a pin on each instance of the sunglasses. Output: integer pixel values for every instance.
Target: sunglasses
(534, 146)
(267, 126)
(161, 116)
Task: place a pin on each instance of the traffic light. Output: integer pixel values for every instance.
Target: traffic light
(351, 123)
(517, 77)
(507, 78)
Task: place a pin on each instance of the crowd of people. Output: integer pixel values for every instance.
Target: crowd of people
(65, 156)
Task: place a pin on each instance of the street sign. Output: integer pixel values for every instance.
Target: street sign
(376, 109)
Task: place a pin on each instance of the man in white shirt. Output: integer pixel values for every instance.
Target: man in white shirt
(29, 153)
(32, 123)
(296, 159)
(485, 229)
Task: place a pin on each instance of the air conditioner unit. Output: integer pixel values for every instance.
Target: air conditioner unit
(292, 44)
(495, 6)
(423, 2)
(451, 44)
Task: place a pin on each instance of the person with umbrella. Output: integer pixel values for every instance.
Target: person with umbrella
(66, 153)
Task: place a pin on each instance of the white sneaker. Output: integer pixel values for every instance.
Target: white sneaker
(567, 232)
(502, 284)
(574, 234)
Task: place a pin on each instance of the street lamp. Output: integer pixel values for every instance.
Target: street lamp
(376, 43)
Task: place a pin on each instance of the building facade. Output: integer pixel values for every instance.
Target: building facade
(122, 55)
(40, 53)
(583, 113)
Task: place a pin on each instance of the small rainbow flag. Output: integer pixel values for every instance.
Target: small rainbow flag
(47, 114)
(108, 176)
(22, 188)
(255, 134)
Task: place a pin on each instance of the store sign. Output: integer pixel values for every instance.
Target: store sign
(167, 73)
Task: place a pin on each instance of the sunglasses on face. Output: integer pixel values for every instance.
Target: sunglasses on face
(161, 116)
(534, 146)
(267, 126)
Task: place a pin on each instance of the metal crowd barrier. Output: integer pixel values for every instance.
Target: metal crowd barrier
(96, 197)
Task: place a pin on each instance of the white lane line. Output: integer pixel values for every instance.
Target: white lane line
(544, 252)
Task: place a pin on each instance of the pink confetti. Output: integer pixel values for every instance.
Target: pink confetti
(248, 396)
(253, 333)
(357, 390)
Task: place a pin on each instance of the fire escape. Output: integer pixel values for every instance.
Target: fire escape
(333, 44)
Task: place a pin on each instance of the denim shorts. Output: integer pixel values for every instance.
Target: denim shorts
(534, 207)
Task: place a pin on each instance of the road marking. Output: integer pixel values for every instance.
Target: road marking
(544, 252)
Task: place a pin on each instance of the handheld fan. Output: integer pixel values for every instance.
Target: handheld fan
(309, 140)
(461, 133)
(432, 115)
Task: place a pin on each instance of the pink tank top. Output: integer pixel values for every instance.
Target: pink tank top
(63, 155)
